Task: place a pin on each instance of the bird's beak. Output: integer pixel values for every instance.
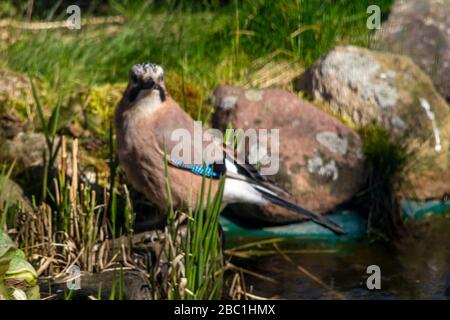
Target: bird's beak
(144, 85)
(148, 84)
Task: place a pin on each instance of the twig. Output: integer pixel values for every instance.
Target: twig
(252, 273)
(309, 274)
(40, 25)
(255, 243)
(252, 296)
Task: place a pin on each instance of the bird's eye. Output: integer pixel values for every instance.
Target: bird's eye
(134, 77)
(161, 78)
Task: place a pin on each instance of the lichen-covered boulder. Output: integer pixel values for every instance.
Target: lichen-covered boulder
(420, 29)
(27, 148)
(15, 93)
(320, 160)
(368, 87)
(12, 194)
(17, 108)
(87, 113)
(15, 101)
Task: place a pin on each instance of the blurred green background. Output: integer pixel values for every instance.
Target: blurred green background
(204, 41)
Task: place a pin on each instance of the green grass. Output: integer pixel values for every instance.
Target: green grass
(203, 248)
(192, 250)
(305, 28)
(207, 43)
(386, 161)
(68, 59)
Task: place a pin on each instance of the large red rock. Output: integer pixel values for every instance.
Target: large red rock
(320, 158)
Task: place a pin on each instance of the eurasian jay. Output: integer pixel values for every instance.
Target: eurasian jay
(145, 119)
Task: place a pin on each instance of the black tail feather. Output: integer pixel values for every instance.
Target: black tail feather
(317, 218)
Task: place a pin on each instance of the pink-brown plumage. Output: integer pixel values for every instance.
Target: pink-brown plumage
(145, 120)
(142, 136)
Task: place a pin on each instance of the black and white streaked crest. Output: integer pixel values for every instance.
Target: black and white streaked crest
(146, 76)
(147, 71)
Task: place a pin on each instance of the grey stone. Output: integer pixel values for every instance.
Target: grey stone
(365, 87)
(420, 29)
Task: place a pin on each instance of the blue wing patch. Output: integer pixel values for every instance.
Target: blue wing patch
(200, 170)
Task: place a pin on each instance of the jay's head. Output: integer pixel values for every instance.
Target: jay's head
(146, 79)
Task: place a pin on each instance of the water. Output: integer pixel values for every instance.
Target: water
(416, 268)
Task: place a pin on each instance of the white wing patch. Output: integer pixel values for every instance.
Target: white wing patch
(231, 167)
(241, 191)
